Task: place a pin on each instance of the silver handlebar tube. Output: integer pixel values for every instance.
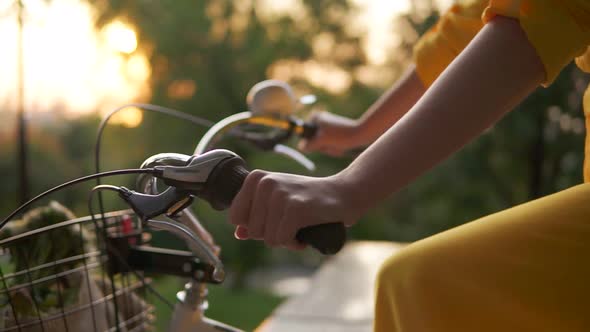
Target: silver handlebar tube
(214, 134)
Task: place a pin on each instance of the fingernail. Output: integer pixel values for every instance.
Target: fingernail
(241, 233)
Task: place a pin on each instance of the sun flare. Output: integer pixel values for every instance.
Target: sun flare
(69, 66)
(129, 117)
(120, 37)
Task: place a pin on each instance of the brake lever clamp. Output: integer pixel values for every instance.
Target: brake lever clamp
(197, 176)
(170, 202)
(193, 176)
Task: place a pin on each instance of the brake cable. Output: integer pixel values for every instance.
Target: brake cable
(73, 182)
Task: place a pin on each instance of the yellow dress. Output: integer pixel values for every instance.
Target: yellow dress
(523, 269)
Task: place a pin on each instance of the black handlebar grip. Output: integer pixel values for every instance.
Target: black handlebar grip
(310, 129)
(225, 182)
(326, 238)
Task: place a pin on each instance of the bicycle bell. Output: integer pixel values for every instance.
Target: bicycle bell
(271, 97)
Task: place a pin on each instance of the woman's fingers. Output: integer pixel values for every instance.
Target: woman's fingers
(333, 137)
(239, 211)
(288, 227)
(311, 144)
(260, 207)
(273, 219)
(303, 145)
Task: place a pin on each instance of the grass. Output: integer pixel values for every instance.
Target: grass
(244, 308)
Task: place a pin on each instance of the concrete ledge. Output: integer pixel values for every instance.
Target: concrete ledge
(341, 294)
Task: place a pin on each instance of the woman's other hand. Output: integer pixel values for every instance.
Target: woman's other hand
(335, 136)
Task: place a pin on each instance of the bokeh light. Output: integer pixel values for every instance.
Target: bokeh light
(129, 117)
(120, 37)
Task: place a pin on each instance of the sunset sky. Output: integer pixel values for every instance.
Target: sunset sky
(70, 65)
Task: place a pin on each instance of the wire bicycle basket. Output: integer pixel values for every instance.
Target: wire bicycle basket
(57, 277)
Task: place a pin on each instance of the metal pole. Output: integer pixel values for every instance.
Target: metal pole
(21, 120)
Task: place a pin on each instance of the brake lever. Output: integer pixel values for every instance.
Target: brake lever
(170, 202)
(188, 218)
(194, 243)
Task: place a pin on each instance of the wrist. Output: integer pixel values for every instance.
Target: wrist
(348, 187)
(360, 134)
(350, 135)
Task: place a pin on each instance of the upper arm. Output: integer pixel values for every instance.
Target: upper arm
(445, 41)
(558, 30)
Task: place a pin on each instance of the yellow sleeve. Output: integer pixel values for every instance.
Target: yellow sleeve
(439, 46)
(559, 30)
(583, 61)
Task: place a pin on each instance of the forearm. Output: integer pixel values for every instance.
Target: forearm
(491, 76)
(390, 107)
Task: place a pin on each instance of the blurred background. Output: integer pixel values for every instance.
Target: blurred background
(64, 64)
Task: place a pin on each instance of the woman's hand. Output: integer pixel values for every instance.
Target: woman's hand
(338, 134)
(274, 206)
(335, 136)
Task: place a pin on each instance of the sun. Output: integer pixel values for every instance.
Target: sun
(69, 65)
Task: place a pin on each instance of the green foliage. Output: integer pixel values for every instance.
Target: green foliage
(244, 308)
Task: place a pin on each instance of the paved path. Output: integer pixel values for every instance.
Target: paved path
(340, 297)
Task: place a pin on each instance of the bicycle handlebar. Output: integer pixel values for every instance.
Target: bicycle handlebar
(290, 126)
(226, 176)
(226, 180)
